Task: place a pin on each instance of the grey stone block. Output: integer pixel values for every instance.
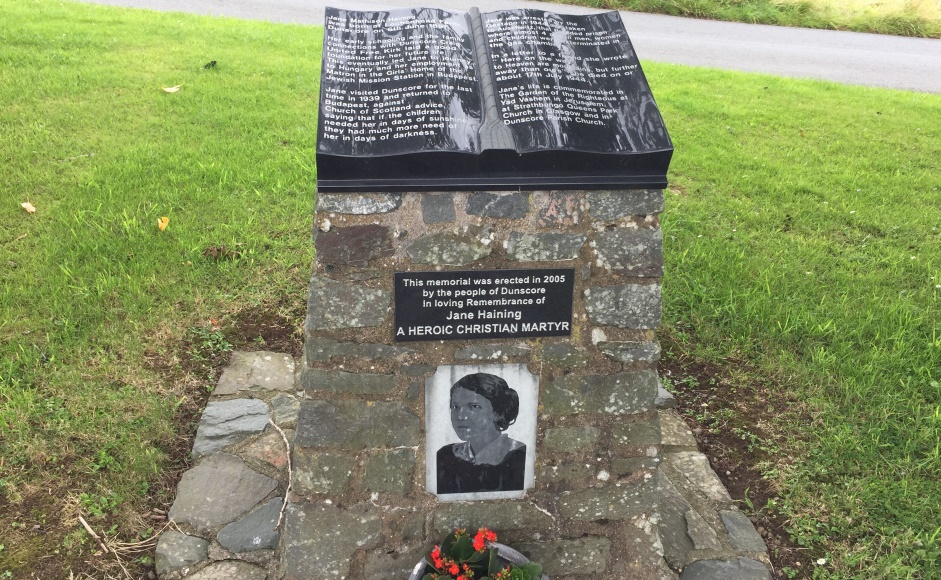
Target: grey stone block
(320, 349)
(702, 534)
(695, 469)
(226, 422)
(571, 439)
(454, 248)
(390, 471)
(742, 533)
(398, 565)
(633, 434)
(490, 352)
(230, 570)
(253, 371)
(733, 568)
(217, 491)
(355, 245)
(320, 539)
(673, 524)
(627, 465)
(565, 472)
(176, 552)
(676, 435)
(563, 208)
(546, 247)
(332, 304)
(349, 424)
(564, 355)
(344, 382)
(625, 306)
(631, 352)
(630, 252)
(623, 393)
(437, 208)
(618, 501)
(612, 205)
(256, 531)
(665, 399)
(587, 555)
(358, 203)
(514, 205)
(513, 515)
(321, 472)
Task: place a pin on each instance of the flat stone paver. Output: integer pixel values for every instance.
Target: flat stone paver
(251, 371)
(226, 422)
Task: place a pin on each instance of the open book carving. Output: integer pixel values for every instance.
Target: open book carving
(426, 99)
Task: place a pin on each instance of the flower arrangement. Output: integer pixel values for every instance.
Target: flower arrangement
(462, 557)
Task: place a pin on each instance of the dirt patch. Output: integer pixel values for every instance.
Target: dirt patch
(733, 416)
(262, 328)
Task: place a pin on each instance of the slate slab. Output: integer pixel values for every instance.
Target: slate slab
(256, 531)
(253, 371)
(490, 352)
(563, 208)
(695, 468)
(742, 533)
(675, 433)
(332, 304)
(176, 551)
(226, 422)
(498, 516)
(619, 501)
(571, 439)
(622, 393)
(320, 349)
(390, 471)
(626, 306)
(217, 491)
(382, 565)
(737, 568)
(354, 245)
(284, 410)
(633, 434)
(348, 424)
(320, 539)
(320, 472)
(344, 382)
(564, 355)
(437, 208)
(269, 448)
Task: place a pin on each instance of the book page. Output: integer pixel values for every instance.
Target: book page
(571, 82)
(397, 82)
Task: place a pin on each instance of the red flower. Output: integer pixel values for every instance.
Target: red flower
(454, 569)
(483, 535)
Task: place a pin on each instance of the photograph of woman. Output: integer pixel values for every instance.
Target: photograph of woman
(482, 407)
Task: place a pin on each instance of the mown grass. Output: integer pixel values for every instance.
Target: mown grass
(95, 300)
(802, 233)
(920, 18)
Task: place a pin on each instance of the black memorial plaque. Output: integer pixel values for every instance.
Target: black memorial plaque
(462, 305)
(427, 99)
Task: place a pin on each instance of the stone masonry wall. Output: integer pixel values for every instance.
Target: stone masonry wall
(358, 507)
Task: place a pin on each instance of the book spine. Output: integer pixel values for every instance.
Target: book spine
(494, 133)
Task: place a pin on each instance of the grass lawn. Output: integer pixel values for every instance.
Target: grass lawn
(802, 242)
(920, 18)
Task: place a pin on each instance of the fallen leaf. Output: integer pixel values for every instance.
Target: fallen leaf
(210, 64)
(162, 223)
(28, 207)
(171, 89)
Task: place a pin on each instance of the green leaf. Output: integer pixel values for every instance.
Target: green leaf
(534, 570)
(494, 565)
(463, 549)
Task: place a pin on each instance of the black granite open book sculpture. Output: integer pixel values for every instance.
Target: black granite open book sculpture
(426, 100)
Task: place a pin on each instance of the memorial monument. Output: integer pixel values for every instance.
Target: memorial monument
(479, 345)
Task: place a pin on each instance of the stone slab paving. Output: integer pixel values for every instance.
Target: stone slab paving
(228, 504)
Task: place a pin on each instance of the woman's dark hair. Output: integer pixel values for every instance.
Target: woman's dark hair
(504, 400)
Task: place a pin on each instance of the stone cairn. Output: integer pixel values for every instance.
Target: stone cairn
(620, 491)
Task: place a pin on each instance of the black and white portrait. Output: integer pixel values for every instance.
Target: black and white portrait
(481, 427)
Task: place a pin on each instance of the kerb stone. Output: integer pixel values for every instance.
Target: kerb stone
(217, 491)
(226, 422)
(257, 371)
(742, 533)
(256, 531)
(348, 424)
(176, 551)
(320, 539)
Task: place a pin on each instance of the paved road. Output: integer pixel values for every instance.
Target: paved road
(846, 57)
